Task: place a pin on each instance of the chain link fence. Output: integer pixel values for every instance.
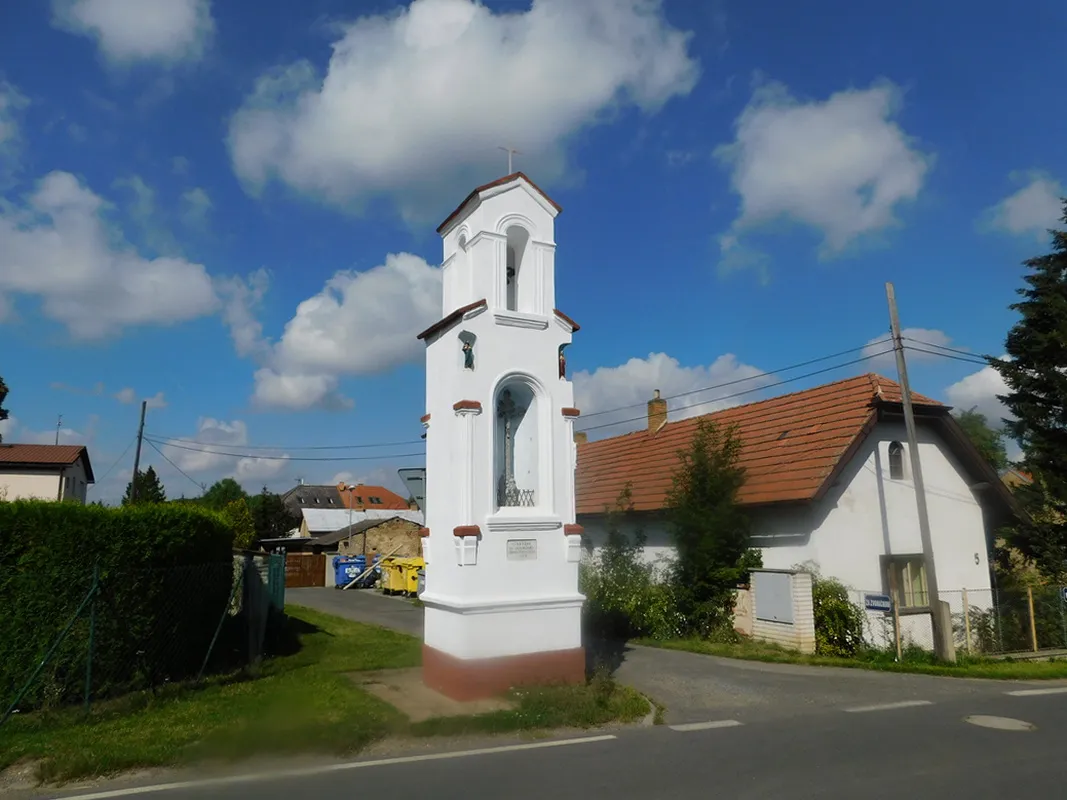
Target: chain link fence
(984, 621)
(101, 635)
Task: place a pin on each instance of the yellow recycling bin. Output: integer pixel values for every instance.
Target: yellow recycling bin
(392, 576)
(410, 571)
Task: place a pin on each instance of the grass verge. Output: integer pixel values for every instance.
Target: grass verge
(916, 662)
(303, 702)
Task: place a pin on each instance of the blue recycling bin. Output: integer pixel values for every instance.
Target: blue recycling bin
(347, 568)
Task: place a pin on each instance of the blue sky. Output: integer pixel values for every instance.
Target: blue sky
(229, 208)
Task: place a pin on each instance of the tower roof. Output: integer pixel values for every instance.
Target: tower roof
(474, 195)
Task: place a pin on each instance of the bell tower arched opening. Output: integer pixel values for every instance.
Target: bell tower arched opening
(518, 239)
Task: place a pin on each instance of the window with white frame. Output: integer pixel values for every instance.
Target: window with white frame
(896, 461)
(908, 573)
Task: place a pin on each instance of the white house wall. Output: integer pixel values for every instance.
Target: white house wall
(66, 483)
(864, 516)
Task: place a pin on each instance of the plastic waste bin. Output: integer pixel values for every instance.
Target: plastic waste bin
(411, 568)
(346, 569)
(422, 583)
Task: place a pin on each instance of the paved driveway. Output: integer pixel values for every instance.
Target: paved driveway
(694, 687)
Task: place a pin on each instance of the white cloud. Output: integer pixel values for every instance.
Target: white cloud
(841, 166)
(14, 432)
(139, 30)
(196, 203)
(630, 386)
(421, 99)
(1030, 211)
(979, 390)
(59, 248)
(128, 396)
(360, 323)
(925, 338)
(8, 427)
(217, 447)
(11, 104)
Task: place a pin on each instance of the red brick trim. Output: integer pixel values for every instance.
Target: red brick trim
(466, 530)
(424, 419)
(570, 412)
(467, 405)
(424, 532)
(451, 319)
(574, 325)
(573, 530)
(478, 678)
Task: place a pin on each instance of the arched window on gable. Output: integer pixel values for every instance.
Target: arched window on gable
(518, 238)
(896, 461)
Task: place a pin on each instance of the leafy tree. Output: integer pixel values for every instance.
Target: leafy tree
(239, 515)
(1036, 375)
(149, 489)
(4, 413)
(711, 531)
(271, 516)
(222, 493)
(988, 440)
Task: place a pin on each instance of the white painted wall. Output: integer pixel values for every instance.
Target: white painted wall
(21, 483)
(864, 516)
(479, 603)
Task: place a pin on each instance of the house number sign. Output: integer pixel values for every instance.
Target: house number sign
(522, 549)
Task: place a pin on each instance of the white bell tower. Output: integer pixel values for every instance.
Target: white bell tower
(502, 550)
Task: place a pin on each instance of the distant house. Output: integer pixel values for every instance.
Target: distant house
(305, 495)
(828, 482)
(383, 536)
(319, 521)
(363, 497)
(44, 472)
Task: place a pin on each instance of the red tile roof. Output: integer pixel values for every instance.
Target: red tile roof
(492, 185)
(791, 445)
(40, 455)
(359, 498)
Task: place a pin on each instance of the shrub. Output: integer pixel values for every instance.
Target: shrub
(838, 621)
(165, 574)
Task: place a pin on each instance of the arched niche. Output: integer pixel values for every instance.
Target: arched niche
(519, 460)
(517, 281)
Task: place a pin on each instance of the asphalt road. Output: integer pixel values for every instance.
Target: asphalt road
(923, 750)
(695, 688)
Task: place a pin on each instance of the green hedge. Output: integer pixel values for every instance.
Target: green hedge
(165, 575)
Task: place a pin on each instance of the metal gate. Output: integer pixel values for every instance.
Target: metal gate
(304, 569)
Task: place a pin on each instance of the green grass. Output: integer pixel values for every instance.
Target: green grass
(914, 661)
(298, 703)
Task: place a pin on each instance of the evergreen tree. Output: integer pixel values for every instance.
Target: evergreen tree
(711, 531)
(272, 518)
(4, 414)
(149, 489)
(1036, 375)
(986, 439)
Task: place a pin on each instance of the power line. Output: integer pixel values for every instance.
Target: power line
(192, 480)
(964, 359)
(285, 458)
(168, 440)
(749, 391)
(737, 381)
(949, 349)
(117, 460)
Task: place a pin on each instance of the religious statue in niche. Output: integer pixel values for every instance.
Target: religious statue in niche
(562, 363)
(468, 355)
(508, 492)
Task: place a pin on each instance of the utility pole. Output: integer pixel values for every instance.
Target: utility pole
(137, 453)
(59, 424)
(941, 648)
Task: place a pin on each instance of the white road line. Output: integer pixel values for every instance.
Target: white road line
(326, 769)
(705, 726)
(889, 706)
(1035, 692)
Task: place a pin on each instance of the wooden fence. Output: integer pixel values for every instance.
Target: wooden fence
(304, 569)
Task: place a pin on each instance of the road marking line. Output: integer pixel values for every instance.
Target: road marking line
(328, 768)
(889, 706)
(1035, 692)
(705, 726)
